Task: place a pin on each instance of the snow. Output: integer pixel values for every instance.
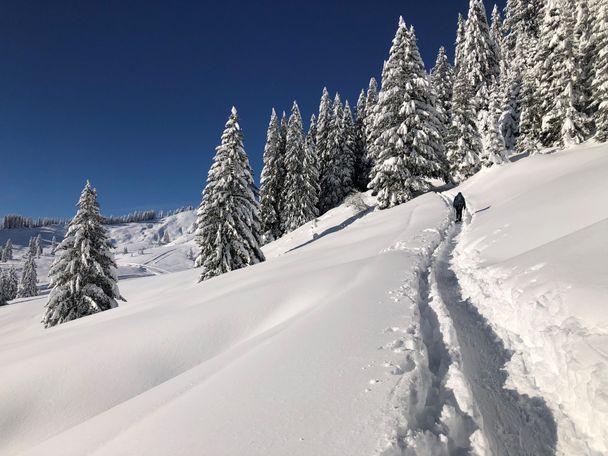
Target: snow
(156, 259)
(534, 260)
(365, 332)
(291, 356)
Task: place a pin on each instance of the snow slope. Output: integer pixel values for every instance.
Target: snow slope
(534, 261)
(145, 255)
(384, 333)
(299, 355)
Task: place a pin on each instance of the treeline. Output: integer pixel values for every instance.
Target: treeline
(143, 216)
(12, 221)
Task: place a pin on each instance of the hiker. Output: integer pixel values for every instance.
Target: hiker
(459, 205)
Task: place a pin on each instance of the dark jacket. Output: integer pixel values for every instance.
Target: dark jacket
(459, 201)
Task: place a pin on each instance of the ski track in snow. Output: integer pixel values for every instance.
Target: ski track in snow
(452, 395)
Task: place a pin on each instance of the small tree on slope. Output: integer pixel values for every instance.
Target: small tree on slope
(228, 225)
(7, 252)
(83, 275)
(29, 278)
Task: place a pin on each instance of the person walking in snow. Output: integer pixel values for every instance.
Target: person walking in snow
(460, 205)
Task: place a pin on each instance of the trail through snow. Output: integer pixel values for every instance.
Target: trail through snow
(511, 423)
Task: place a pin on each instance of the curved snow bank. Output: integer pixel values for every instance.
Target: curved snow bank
(280, 358)
(534, 259)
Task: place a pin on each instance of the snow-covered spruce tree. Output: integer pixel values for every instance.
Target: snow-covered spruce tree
(584, 44)
(3, 294)
(410, 147)
(599, 85)
(521, 119)
(497, 32)
(282, 151)
(39, 246)
(492, 139)
(83, 275)
(530, 115)
(559, 89)
(271, 182)
(7, 252)
(300, 186)
(460, 43)
(362, 168)
(480, 56)
(228, 225)
(331, 181)
(9, 285)
(442, 79)
(29, 278)
(464, 144)
(371, 100)
(311, 164)
(324, 121)
(348, 157)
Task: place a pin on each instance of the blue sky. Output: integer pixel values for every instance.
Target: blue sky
(134, 94)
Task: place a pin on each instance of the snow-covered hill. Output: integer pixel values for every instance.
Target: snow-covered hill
(145, 253)
(354, 337)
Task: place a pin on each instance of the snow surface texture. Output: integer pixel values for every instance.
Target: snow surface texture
(364, 333)
(297, 355)
(534, 260)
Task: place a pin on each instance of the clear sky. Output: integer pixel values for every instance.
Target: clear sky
(134, 94)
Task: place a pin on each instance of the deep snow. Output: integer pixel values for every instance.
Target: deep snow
(366, 332)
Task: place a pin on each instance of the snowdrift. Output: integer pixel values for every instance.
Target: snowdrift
(534, 259)
(298, 355)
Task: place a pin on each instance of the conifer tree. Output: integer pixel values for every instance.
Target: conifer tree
(409, 147)
(497, 31)
(559, 78)
(460, 43)
(599, 85)
(371, 100)
(29, 279)
(442, 79)
(7, 252)
(464, 145)
(83, 275)
(38, 246)
(480, 56)
(584, 43)
(32, 247)
(362, 168)
(271, 182)
(311, 166)
(228, 225)
(323, 127)
(300, 185)
(9, 285)
(331, 182)
(492, 139)
(348, 154)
